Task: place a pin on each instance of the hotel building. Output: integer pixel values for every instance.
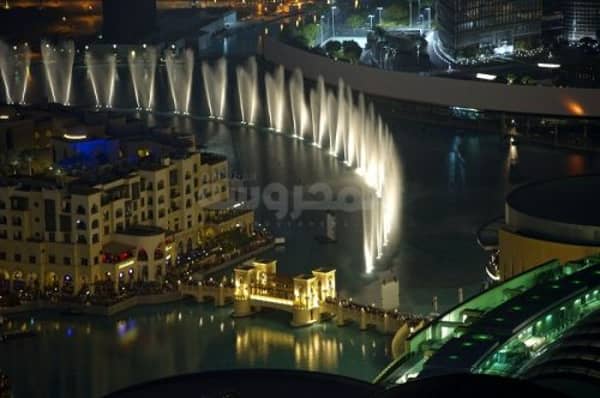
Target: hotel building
(115, 224)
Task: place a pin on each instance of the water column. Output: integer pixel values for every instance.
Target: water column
(319, 112)
(180, 69)
(300, 117)
(15, 71)
(247, 84)
(142, 68)
(215, 87)
(58, 67)
(102, 72)
(275, 90)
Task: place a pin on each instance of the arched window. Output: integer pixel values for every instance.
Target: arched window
(95, 224)
(158, 253)
(80, 209)
(142, 255)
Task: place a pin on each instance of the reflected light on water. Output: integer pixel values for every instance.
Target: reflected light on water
(256, 344)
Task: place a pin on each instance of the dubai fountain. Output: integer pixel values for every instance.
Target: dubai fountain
(300, 114)
(142, 68)
(15, 71)
(339, 121)
(276, 99)
(247, 85)
(180, 70)
(58, 67)
(347, 127)
(215, 87)
(102, 72)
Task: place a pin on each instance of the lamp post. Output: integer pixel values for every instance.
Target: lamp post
(410, 14)
(371, 16)
(379, 12)
(333, 20)
(428, 9)
(321, 27)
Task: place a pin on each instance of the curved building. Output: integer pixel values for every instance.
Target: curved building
(550, 219)
(520, 328)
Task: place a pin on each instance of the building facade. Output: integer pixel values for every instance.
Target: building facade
(70, 232)
(581, 19)
(468, 27)
(549, 219)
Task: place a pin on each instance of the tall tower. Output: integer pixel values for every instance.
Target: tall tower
(129, 21)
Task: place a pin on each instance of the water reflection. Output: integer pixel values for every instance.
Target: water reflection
(456, 165)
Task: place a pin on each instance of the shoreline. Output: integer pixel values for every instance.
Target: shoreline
(123, 305)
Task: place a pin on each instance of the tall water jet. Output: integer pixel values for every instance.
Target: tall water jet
(215, 87)
(300, 117)
(58, 66)
(15, 71)
(102, 71)
(319, 111)
(247, 84)
(180, 69)
(142, 68)
(275, 89)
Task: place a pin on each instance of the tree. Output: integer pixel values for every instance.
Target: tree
(355, 21)
(309, 33)
(395, 14)
(352, 50)
(333, 48)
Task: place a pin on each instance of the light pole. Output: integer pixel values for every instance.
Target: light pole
(428, 9)
(333, 20)
(371, 16)
(410, 14)
(321, 27)
(380, 11)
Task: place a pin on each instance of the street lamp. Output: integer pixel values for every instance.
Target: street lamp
(321, 27)
(371, 16)
(428, 9)
(379, 11)
(333, 20)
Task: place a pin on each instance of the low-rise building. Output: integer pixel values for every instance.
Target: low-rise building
(112, 224)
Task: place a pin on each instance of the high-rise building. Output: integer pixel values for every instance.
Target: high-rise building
(581, 19)
(467, 27)
(128, 21)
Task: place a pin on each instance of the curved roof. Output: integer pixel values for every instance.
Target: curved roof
(570, 200)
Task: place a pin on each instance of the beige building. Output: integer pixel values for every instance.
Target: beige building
(61, 231)
(551, 219)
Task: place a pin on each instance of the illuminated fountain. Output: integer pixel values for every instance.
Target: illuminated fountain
(14, 70)
(276, 99)
(319, 104)
(102, 71)
(215, 87)
(180, 69)
(58, 66)
(142, 67)
(247, 84)
(300, 116)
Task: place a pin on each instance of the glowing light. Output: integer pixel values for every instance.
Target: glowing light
(575, 108)
(126, 264)
(486, 76)
(546, 65)
(75, 136)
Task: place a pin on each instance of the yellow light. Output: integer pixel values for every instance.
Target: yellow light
(126, 264)
(274, 300)
(75, 136)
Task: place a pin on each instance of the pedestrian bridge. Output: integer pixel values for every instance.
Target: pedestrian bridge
(308, 297)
